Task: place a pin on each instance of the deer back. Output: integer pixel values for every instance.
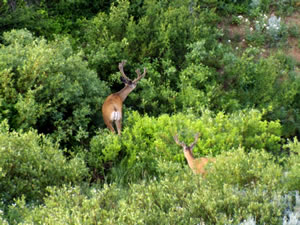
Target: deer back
(200, 163)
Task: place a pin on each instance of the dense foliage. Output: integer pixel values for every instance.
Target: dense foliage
(47, 86)
(219, 68)
(155, 136)
(239, 186)
(30, 163)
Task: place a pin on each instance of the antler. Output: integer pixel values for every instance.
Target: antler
(182, 144)
(195, 141)
(140, 76)
(121, 68)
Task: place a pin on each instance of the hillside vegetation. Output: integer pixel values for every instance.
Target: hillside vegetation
(228, 70)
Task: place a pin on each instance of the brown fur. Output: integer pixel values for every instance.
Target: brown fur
(113, 103)
(197, 165)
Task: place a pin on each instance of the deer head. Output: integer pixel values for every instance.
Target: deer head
(128, 81)
(184, 146)
(197, 165)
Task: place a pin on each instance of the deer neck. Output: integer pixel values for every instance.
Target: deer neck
(125, 92)
(190, 158)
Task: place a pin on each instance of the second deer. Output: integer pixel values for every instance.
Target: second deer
(112, 106)
(197, 165)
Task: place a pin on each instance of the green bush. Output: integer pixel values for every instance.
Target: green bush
(250, 79)
(146, 139)
(3, 221)
(256, 168)
(188, 67)
(197, 88)
(264, 83)
(287, 106)
(158, 39)
(116, 35)
(293, 166)
(30, 163)
(104, 149)
(241, 101)
(176, 198)
(47, 18)
(47, 86)
(154, 94)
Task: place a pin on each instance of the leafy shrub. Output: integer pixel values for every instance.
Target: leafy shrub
(250, 79)
(47, 18)
(245, 80)
(269, 84)
(188, 67)
(30, 162)
(154, 94)
(104, 149)
(256, 168)
(158, 39)
(293, 166)
(198, 88)
(291, 214)
(71, 205)
(45, 85)
(149, 204)
(146, 139)
(171, 26)
(2, 220)
(176, 198)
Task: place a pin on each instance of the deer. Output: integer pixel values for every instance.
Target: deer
(112, 106)
(197, 165)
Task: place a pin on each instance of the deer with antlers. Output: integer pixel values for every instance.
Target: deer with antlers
(112, 106)
(197, 165)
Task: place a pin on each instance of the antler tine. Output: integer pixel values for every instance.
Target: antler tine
(140, 76)
(182, 144)
(195, 141)
(121, 68)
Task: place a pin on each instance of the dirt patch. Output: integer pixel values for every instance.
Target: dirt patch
(293, 19)
(294, 49)
(236, 30)
(293, 43)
